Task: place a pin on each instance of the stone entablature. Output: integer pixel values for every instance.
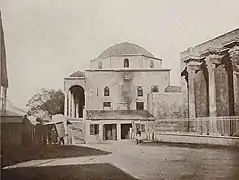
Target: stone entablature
(218, 43)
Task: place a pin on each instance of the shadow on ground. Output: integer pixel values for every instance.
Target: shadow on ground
(70, 172)
(13, 155)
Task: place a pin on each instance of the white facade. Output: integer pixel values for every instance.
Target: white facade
(118, 80)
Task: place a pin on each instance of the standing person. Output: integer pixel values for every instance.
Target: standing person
(138, 136)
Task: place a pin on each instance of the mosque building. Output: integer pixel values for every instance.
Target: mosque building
(118, 93)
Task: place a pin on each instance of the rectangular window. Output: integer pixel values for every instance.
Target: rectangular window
(142, 127)
(139, 105)
(151, 64)
(100, 65)
(106, 104)
(137, 126)
(94, 129)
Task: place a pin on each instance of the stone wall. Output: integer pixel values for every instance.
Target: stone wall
(135, 61)
(165, 105)
(122, 91)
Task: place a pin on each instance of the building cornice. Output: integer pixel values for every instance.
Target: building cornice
(125, 70)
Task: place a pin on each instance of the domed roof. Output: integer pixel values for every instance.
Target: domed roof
(125, 49)
(78, 74)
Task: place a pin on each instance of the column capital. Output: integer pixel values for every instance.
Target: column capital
(234, 55)
(193, 66)
(213, 59)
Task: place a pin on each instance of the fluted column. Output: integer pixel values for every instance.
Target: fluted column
(234, 55)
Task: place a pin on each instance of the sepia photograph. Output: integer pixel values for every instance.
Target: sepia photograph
(119, 89)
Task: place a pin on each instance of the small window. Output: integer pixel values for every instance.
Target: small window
(139, 105)
(151, 64)
(106, 104)
(100, 65)
(140, 91)
(126, 62)
(137, 126)
(94, 129)
(106, 91)
(155, 88)
(142, 127)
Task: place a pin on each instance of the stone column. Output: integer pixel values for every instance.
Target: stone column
(212, 90)
(234, 55)
(191, 69)
(69, 105)
(65, 103)
(77, 109)
(72, 106)
(211, 61)
(101, 132)
(118, 131)
(84, 124)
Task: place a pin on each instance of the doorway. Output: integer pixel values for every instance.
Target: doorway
(109, 132)
(126, 131)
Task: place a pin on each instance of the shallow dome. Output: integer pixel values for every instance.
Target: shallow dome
(78, 74)
(125, 49)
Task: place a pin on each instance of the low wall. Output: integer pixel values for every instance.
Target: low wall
(11, 131)
(196, 139)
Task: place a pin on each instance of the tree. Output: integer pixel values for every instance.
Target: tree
(46, 103)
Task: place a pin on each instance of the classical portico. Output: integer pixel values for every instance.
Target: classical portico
(210, 72)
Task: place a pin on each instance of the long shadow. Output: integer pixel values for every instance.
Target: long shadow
(13, 155)
(102, 171)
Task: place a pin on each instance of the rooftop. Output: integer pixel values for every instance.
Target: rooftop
(119, 115)
(125, 49)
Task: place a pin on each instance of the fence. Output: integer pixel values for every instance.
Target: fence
(215, 126)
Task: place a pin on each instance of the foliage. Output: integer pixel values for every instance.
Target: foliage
(47, 102)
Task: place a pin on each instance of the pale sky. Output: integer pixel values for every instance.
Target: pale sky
(47, 40)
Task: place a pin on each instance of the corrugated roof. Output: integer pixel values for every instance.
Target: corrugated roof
(119, 115)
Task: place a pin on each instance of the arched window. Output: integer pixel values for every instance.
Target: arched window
(100, 65)
(151, 64)
(155, 88)
(106, 91)
(140, 91)
(126, 62)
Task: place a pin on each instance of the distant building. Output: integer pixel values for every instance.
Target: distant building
(210, 77)
(121, 91)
